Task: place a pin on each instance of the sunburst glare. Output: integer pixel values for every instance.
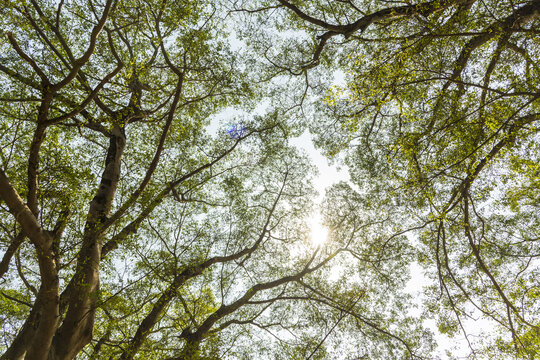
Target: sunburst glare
(318, 232)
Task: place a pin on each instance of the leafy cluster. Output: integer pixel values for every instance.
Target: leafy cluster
(146, 211)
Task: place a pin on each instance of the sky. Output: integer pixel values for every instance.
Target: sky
(329, 174)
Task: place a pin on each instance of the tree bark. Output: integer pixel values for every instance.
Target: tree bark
(37, 332)
(77, 328)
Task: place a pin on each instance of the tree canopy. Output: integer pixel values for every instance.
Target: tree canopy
(152, 206)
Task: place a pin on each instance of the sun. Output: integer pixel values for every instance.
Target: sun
(318, 232)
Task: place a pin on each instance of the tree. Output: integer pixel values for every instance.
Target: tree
(439, 118)
(131, 231)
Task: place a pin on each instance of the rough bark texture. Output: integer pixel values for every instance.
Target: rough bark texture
(77, 328)
(38, 330)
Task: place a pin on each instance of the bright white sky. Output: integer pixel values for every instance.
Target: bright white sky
(329, 174)
(332, 174)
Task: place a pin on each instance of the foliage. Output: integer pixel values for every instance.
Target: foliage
(135, 225)
(439, 115)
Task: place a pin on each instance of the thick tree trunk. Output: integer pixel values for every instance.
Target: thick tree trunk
(48, 298)
(77, 328)
(37, 332)
(18, 347)
(190, 351)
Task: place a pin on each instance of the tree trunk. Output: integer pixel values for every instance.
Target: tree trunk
(77, 328)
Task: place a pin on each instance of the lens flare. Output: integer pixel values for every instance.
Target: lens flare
(318, 232)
